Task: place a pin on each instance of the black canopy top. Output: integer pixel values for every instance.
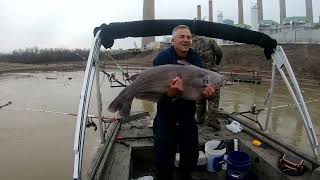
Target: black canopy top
(162, 27)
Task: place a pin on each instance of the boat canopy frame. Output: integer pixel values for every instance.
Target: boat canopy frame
(106, 34)
(281, 62)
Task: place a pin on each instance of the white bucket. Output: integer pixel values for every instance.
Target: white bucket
(214, 157)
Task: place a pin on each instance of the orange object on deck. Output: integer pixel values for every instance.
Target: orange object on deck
(256, 142)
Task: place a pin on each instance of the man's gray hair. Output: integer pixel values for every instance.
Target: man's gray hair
(174, 31)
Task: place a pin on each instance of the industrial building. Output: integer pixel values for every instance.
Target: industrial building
(301, 29)
(291, 29)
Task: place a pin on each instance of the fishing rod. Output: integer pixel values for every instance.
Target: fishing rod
(116, 63)
(78, 54)
(256, 111)
(111, 77)
(124, 74)
(7, 104)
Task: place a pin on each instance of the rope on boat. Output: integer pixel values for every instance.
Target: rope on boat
(106, 119)
(292, 104)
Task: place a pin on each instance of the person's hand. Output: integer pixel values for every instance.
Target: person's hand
(175, 86)
(208, 91)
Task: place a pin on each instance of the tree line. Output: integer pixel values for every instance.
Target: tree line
(35, 55)
(44, 56)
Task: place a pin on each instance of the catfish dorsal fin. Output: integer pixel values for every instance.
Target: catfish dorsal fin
(183, 62)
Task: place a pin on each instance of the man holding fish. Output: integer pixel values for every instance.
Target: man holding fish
(174, 124)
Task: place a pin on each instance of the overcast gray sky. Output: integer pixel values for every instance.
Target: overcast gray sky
(69, 23)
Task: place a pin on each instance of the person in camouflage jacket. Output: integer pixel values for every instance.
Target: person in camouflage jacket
(211, 56)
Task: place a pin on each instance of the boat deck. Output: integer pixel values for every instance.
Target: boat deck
(133, 157)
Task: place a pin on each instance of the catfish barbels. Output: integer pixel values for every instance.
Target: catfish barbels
(153, 83)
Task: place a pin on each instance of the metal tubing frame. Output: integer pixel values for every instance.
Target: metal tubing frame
(281, 62)
(269, 96)
(99, 103)
(91, 68)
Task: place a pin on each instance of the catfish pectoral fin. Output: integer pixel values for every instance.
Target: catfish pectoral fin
(125, 110)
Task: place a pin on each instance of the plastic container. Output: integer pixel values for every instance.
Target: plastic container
(202, 160)
(145, 178)
(224, 164)
(238, 165)
(214, 157)
(235, 144)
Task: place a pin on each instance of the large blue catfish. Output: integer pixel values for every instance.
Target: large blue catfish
(153, 83)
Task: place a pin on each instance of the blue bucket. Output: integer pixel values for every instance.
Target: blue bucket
(238, 165)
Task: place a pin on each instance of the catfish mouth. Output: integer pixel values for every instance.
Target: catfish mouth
(218, 85)
(224, 80)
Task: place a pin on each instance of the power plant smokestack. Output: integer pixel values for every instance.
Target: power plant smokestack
(148, 14)
(282, 10)
(240, 11)
(210, 11)
(254, 17)
(219, 17)
(198, 12)
(260, 10)
(309, 11)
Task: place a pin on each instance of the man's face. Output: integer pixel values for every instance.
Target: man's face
(182, 40)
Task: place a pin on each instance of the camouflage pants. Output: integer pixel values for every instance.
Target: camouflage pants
(213, 108)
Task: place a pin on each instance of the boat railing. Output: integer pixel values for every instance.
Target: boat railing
(92, 69)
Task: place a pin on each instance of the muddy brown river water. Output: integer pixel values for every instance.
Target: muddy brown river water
(39, 145)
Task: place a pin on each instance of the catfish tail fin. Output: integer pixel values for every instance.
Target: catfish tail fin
(122, 103)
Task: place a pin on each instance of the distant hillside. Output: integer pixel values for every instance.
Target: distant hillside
(304, 58)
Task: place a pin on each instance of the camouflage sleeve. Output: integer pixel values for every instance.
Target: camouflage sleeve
(219, 55)
(216, 50)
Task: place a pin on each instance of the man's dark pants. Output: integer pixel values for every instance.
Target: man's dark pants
(168, 134)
